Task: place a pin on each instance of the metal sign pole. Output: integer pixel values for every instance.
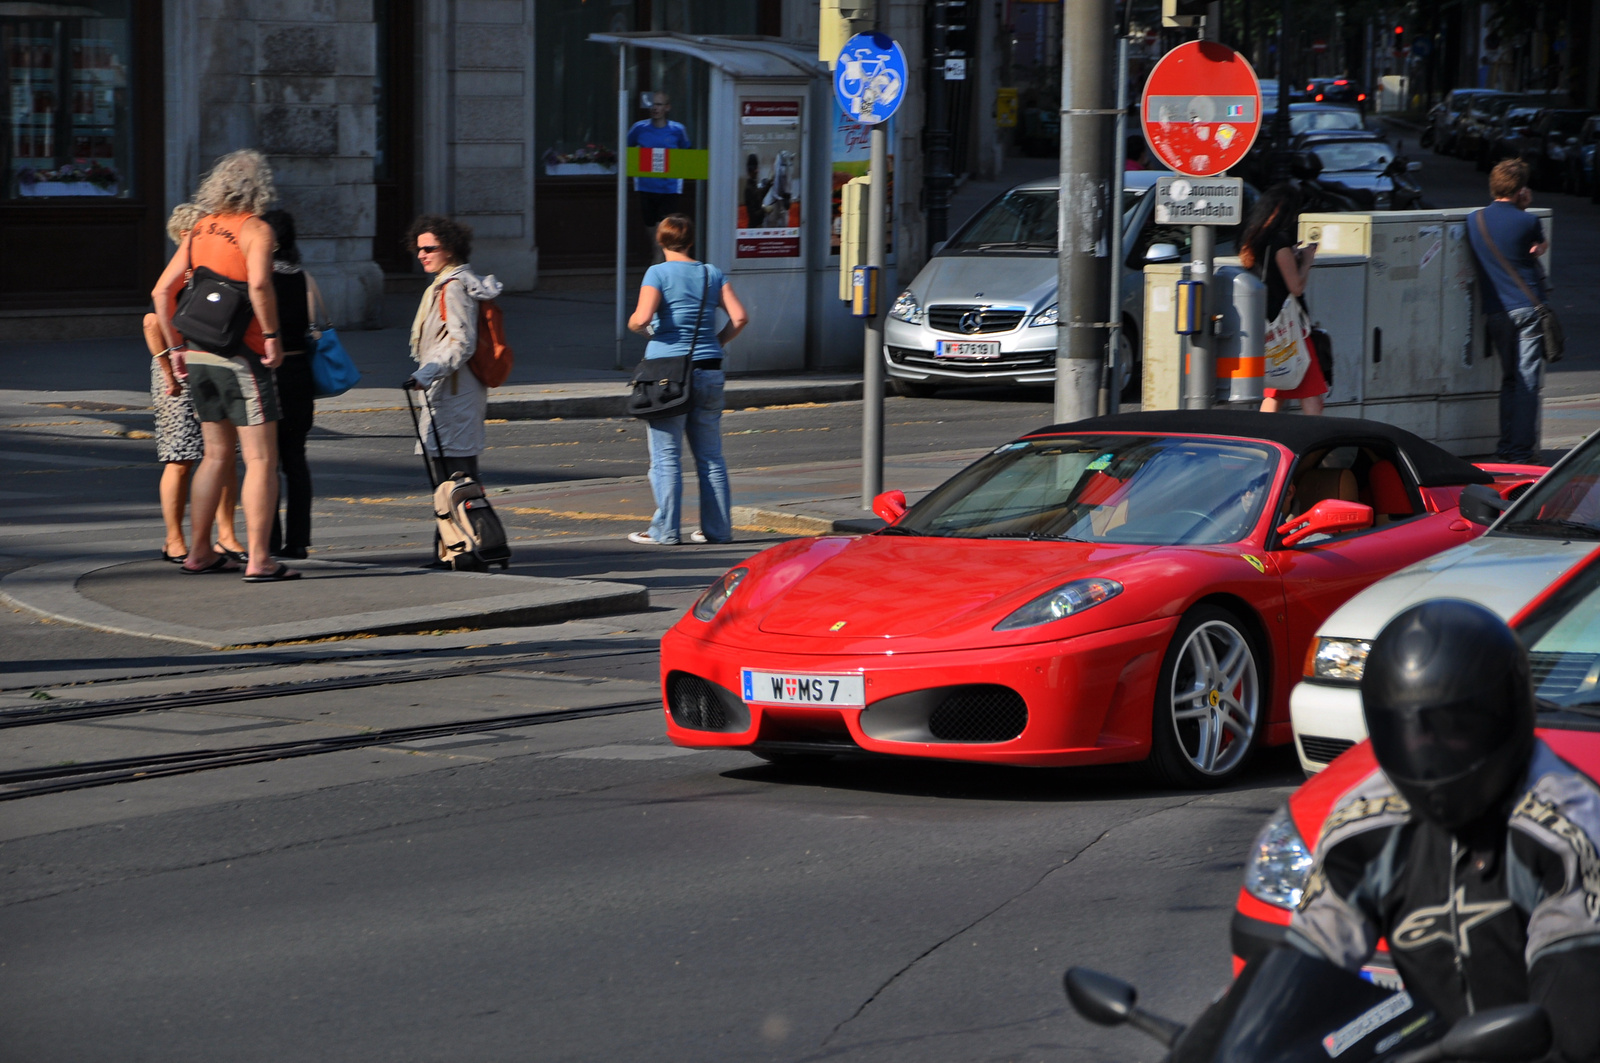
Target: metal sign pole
(872, 356)
(1200, 356)
(622, 200)
(1111, 377)
(1083, 210)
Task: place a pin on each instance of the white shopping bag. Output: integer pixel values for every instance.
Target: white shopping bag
(1288, 349)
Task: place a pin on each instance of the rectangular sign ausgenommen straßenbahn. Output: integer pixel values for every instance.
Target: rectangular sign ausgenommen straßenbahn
(1199, 200)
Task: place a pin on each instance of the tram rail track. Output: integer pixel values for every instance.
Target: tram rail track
(89, 710)
(29, 782)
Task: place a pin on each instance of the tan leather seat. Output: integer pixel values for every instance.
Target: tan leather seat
(1314, 485)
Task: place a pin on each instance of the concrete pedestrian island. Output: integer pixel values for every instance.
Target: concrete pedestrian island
(332, 599)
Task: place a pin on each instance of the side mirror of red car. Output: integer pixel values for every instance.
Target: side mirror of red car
(890, 506)
(1331, 516)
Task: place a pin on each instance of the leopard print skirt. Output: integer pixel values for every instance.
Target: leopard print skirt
(178, 435)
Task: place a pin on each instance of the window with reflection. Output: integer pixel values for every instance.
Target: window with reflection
(68, 126)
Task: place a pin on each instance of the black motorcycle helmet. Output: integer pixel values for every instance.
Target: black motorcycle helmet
(1449, 706)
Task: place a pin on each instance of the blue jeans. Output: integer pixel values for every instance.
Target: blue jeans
(703, 425)
(1518, 339)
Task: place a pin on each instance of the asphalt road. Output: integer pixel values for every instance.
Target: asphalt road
(572, 889)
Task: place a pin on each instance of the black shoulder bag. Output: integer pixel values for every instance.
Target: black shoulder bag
(661, 385)
(213, 311)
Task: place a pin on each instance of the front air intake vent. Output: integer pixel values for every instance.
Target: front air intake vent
(701, 705)
(979, 713)
(1321, 750)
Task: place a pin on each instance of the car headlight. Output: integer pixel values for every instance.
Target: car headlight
(1050, 315)
(717, 595)
(1337, 660)
(1279, 863)
(1068, 599)
(906, 308)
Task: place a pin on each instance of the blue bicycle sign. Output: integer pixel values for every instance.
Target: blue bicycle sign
(870, 78)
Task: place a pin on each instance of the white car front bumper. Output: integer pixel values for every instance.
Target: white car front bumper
(1327, 721)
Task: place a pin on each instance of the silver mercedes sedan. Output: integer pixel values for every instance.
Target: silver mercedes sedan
(983, 310)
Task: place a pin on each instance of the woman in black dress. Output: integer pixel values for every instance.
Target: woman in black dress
(298, 300)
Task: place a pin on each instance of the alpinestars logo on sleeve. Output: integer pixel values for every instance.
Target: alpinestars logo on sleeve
(1427, 925)
(1548, 816)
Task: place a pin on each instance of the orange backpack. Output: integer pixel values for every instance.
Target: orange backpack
(491, 361)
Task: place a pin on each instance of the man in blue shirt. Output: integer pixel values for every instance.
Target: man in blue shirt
(1507, 242)
(658, 196)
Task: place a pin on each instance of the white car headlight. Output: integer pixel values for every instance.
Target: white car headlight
(1336, 660)
(717, 595)
(906, 308)
(1050, 315)
(1279, 863)
(1066, 600)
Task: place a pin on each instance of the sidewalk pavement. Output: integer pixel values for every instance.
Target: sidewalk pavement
(128, 593)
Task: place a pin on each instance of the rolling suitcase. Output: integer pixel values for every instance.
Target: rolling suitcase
(470, 536)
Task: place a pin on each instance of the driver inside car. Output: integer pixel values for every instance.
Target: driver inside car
(1473, 847)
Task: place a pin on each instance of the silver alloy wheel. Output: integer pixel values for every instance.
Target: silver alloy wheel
(1215, 697)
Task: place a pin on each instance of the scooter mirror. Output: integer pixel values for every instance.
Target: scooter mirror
(1512, 1034)
(1100, 998)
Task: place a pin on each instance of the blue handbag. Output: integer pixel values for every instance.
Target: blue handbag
(332, 371)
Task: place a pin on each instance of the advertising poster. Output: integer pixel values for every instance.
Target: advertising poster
(769, 179)
(851, 159)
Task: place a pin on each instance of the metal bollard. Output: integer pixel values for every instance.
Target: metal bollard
(1241, 335)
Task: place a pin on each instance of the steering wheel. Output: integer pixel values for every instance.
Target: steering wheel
(1201, 518)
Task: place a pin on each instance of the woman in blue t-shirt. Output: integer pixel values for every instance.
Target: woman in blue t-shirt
(677, 309)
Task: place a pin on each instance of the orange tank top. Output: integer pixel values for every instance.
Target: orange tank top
(214, 243)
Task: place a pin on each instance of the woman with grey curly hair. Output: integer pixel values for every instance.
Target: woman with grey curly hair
(233, 388)
(179, 443)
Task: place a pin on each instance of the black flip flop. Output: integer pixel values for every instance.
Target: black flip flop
(221, 564)
(281, 574)
(176, 559)
(237, 555)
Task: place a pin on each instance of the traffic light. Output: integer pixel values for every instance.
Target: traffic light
(1183, 12)
(1399, 31)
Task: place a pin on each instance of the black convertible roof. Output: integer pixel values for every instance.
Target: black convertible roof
(1434, 466)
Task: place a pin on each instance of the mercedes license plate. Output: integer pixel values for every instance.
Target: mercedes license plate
(968, 349)
(792, 688)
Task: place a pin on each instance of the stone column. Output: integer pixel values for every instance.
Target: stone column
(312, 99)
(477, 128)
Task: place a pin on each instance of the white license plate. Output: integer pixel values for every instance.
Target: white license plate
(791, 688)
(967, 349)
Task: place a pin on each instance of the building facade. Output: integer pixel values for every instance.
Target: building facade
(499, 112)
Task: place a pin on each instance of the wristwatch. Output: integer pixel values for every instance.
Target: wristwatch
(269, 335)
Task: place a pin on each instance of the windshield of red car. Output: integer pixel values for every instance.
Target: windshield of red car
(1565, 505)
(1562, 634)
(1103, 489)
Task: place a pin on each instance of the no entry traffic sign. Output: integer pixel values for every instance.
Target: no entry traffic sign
(1201, 109)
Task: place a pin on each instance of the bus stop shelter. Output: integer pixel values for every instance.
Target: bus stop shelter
(770, 213)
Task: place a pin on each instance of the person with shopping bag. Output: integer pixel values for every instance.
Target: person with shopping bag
(1268, 246)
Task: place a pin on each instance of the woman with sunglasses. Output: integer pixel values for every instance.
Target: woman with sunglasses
(444, 336)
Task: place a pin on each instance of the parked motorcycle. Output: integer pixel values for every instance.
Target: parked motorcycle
(1289, 1007)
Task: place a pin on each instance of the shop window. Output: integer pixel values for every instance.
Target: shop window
(67, 127)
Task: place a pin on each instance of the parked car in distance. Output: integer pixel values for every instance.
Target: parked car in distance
(1336, 90)
(1366, 168)
(1560, 630)
(1578, 177)
(1506, 136)
(1472, 132)
(1546, 142)
(1445, 118)
(1000, 268)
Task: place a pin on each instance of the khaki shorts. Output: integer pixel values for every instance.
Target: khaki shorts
(232, 387)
